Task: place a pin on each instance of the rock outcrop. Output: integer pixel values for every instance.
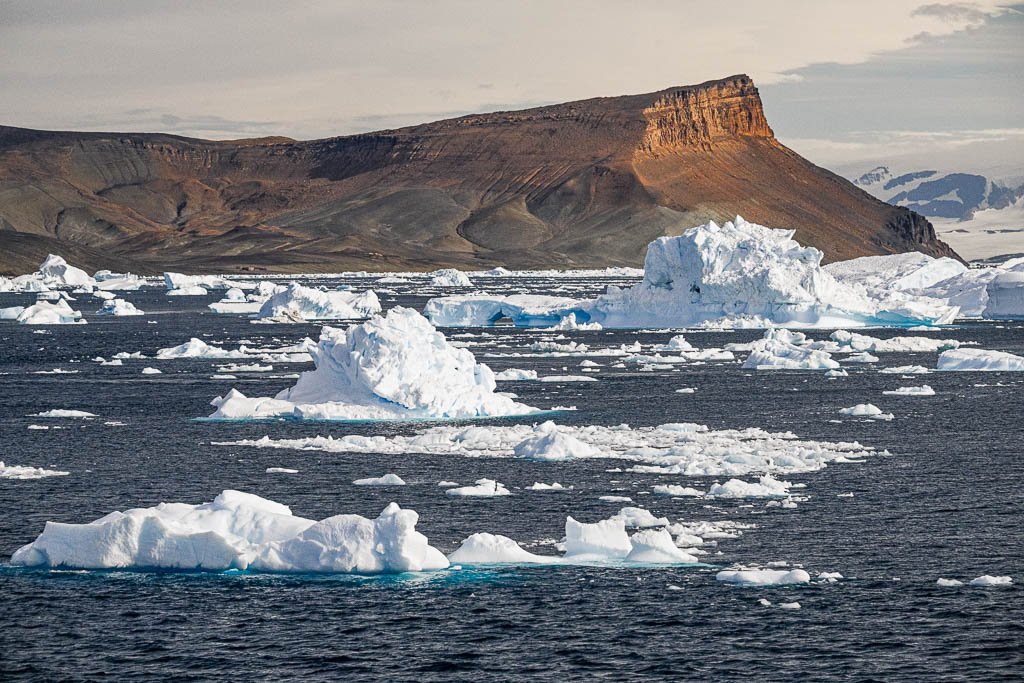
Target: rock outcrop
(580, 184)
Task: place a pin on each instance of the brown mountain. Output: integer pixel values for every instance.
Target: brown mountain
(586, 183)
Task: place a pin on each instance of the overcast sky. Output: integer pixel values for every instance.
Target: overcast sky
(845, 83)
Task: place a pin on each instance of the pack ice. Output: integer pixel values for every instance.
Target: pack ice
(296, 302)
(236, 531)
(390, 367)
(737, 275)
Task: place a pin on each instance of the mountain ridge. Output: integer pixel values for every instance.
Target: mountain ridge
(578, 184)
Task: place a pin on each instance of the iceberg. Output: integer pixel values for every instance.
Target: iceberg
(179, 281)
(599, 541)
(119, 307)
(385, 480)
(979, 360)
(296, 303)
(767, 487)
(655, 546)
(450, 277)
(867, 410)
(46, 313)
(56, 272)
(551, 445)
(988, 581)
(197, 348)
(26, 472)
(1005, 296)
(483, 548)
(737, 275)
(763, 577)
(776, 351)
(923, 390)
(236, 531)
(391, 367)
(484, 488)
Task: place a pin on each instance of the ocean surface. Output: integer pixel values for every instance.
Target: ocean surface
(946, 501)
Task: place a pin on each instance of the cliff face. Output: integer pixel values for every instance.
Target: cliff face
(586, 183)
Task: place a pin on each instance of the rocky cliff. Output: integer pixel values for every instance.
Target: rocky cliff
(586, 183)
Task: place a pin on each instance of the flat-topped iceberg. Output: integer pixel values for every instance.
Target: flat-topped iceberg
(739, 274)
(296, 302)
(391, 367)
(980, 360)
(235, 531)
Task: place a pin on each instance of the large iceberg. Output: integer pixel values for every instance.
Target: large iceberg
(46, 313)
(979, 360)
(296, 302)
(738, 275)
(236, 531)
(391, 367)
(1005, 296)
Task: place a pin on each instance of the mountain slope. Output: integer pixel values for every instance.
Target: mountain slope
(586, 183)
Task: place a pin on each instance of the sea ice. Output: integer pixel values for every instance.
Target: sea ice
(391, 367)
(763, 577)
(868, 410)
(676, 490)
(46, 313)
(296, 303)
(949, 583)
(515, 375)
(987, 580)
(385, 480)
(980, 360)
(119, 307)
(197, 348)
(26, 472)
(767, 487)
(923, 390)
(776, 351)
(484, 488)
(549, 444)
(484, 548)
(450, 277)
(61, 412)
(235, 531)
(554, 486)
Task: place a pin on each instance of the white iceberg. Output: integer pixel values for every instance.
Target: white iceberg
(599, 541)
(923, 390)
(979, 360)
(854, 342)
(655, 546)
(1005, 296)
(484, 488)
(391, 367)
(550, 444)
(193, 290)
(776, 351)
(767, 487)
(484, 548)
(987, 581)
(388, 479)
(46, 313)
(763, 577)
(450, 277)
(119, 307)
(179, 281)
(296, 302)
(480, 310)
(26, 472)
(235, 531)
(868, 410)
(676, 490)
(62, 412)
(197, 348)
(56, 272)
(554, 486)
(515, 375)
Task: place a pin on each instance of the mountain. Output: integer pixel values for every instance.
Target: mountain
(581, 184)
(938, 194)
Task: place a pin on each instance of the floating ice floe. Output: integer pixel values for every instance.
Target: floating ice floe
(949, 583)
(61, 412)
(867, 410)
(193, 290)
(484, 488)
(737, 275)
(119, 307)
(676, 490)
(854, 342)
(554, 486)
(281, 470)
(235, 531)
(987, 580)
(637, 517)
(569, 322)
(26, 472)
(906, 370)
(179, 281)
(777, 351)
(197, 348)
(515, 375)
(923, 390)
(484, 548)
(767, 487)
(549, 444)
(450, 277)
(980, 360)
(763, 577)
(151, 371)
(297, 303)
(388, 479)
(680, 449)
(46, 313)
(391, 367)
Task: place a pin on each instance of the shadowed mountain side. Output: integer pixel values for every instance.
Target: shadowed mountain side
(581, 184)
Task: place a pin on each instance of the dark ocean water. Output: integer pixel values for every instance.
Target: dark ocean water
(947, 503)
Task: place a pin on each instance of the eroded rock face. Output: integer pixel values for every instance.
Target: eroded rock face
(580, 184)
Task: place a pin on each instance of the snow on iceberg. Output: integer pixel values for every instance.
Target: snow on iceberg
(119, 307)
(235, 531)
(391, 367)
(979, 360)
(296, 303)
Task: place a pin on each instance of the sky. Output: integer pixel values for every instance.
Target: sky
(847, 84)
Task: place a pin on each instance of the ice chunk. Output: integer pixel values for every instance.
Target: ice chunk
(479, 310)
(763, 577)
(980, 360)
(600, 541)
(868, 410)
(178, 281)
(392, 367)
(150, 371)
(57, 273)
(385, 480)
(555, 486)
(46, 313)
(639, 518)
(676, 490)
(484, 488)
(767, 487)
(235, 531)
(906, 370)
(949, 583)
(655, 546)
(1005, 296)
(193, 290)
(483, 548)
(26, 472)
(923, 390)
(776, 351)
(197, 348)
(118, 307)
(450, 277)
(296, 303)
(549, 444)
(789, 605)
(852, 341)
(987, 580)
(515, 375)
(61, 412)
